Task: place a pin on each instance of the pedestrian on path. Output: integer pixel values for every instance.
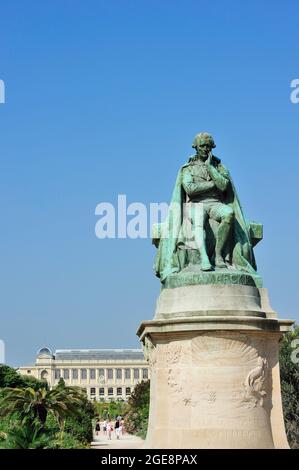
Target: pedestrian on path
(117, 428)
(109, 429)
(105, 427)
(122, 425)
(98, 427)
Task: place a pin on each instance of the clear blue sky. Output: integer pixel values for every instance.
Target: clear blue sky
(104, 97)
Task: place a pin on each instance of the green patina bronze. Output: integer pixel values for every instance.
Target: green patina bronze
(205, 238)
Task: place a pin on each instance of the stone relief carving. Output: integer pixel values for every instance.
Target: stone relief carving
(226, 352)
(173, 353)
(177, 390)
(255, 383)
(224, 349)
(149, 351)
(169, 354)
(212, 397)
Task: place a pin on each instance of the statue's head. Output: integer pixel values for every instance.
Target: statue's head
(203, 143)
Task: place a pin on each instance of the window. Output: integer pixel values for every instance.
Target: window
(128, 373)
(83, 374)
(28, 371)
(128, 391)
(110, 392)
(92, 373)
(101, 374)
(136, 373)
(102, 391)
(119, 391)
(75, 374)
(57, 374)
(92, 391)
(110, 373)
(145, 373)
(66, 374)
(118, 373)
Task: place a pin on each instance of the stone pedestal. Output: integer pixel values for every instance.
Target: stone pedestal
(213, 352)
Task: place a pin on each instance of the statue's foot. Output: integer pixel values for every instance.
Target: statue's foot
(219, 262)
(206, 266)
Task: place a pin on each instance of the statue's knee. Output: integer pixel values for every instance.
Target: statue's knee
(229, 216)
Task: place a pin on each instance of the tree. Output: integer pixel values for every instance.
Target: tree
(80, 425)
(111, 409)
(34, 417)
(289, 374)
(36, 404)
(136, 420)
(9, 377)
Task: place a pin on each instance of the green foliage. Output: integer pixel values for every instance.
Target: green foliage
(102, 409)
(6, 423)
(35, 404)
(76, 430)
(111, 409)
(9, 377)
(29, 381)
(66, 441)
(61, 383)
(80, 425)
(289, 373)
(136, 419)
(52, 424)
(42, 418)
(27, 436)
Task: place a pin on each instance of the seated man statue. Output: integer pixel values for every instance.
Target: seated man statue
(205, 225)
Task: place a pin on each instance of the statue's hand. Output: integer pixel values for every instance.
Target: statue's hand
(209, 159)
(209, 163)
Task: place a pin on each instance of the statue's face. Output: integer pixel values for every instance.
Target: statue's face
(203, 149)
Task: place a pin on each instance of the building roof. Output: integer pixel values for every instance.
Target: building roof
(99, 354)
(44, 352)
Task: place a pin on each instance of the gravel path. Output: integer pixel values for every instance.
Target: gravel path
(125, 442)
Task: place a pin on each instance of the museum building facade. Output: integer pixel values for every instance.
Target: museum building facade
(106, 374)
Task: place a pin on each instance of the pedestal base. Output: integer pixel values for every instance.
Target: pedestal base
(214, 382)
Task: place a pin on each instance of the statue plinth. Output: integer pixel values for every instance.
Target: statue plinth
(193, 276)
(213, 353)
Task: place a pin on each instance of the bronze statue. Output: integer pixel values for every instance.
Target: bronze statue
(205, 228)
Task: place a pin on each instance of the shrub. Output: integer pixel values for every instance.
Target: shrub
(41, 418)
(80, 426)
(27, 436)
(136, 419)
(111, 409)
(66, 441)
(289, 374)
(9, 377)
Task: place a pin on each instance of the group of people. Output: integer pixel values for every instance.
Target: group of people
(107, 427)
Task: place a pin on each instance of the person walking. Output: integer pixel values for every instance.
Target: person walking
(117, 428)
(105, 427)
(122, 426)
(98, 427)
(109, 430)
